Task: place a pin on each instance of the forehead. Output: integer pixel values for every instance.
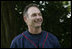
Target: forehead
(32, 10)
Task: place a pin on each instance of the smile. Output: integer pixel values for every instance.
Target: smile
(38, 21)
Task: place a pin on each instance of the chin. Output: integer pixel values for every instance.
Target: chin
(38, 26)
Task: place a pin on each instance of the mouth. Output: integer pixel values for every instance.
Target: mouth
(38, 21)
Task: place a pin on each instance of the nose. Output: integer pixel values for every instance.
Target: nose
(38, 16)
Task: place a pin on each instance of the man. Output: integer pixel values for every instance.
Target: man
(34, 37)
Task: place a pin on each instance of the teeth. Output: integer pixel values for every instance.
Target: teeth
(38, 21)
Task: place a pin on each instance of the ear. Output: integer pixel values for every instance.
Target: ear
(25, 18)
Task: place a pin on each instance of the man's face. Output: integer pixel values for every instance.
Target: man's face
(34, 18)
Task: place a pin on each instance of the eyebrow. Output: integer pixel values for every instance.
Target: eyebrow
(35, 13)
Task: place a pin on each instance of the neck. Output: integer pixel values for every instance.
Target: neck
(33, 30)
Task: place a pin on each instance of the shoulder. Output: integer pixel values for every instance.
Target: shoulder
(53, 39)
(16, 38)
(50, 35)
(16, 41)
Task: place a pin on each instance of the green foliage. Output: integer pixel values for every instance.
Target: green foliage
(54, 15)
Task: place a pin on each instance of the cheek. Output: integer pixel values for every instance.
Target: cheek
(42, 18)
(30, 21)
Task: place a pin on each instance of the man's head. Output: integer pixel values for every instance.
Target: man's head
(32, 16)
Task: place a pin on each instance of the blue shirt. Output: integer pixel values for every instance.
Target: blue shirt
(42, 40)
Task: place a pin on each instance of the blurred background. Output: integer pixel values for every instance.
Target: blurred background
(56, 15)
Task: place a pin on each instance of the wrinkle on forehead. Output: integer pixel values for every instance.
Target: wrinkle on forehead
(32, 10)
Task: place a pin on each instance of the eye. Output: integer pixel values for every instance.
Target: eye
(34, 15)
(39, 14)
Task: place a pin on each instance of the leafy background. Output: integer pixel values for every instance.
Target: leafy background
(56, 15)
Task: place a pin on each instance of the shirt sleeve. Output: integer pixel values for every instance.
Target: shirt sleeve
(13, 44)
(57, 44)
(53, 39)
